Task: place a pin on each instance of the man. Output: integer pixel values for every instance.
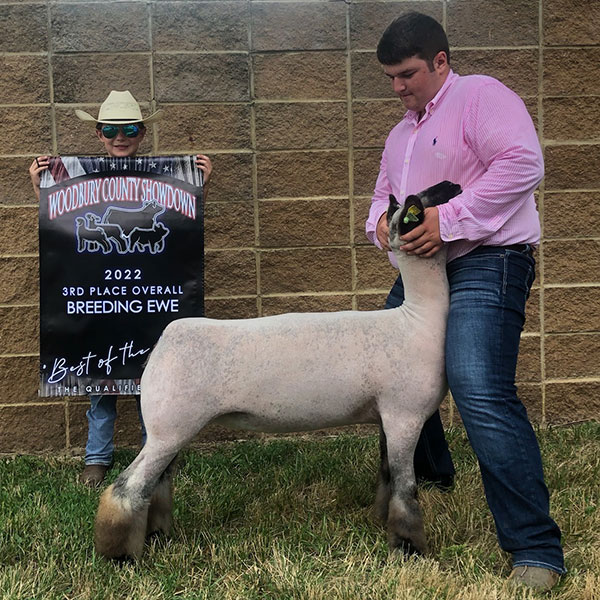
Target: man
(476, 132)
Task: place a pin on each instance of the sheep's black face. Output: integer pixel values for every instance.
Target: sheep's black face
(439, 193)
(401, 220)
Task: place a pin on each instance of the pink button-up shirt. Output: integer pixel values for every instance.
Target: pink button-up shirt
(476, 132)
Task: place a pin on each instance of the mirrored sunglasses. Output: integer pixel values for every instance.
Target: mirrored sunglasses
(130, 130)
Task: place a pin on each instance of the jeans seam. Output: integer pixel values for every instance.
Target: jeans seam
(539, 563)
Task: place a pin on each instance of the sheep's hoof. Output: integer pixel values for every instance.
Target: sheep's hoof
(406, 547)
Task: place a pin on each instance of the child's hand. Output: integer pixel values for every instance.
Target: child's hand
(39, 164)
(205, 165)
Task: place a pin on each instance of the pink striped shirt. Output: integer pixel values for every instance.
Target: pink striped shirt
(476, 132)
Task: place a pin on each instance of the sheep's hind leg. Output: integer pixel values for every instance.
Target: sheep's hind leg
(405, 521)
(122, 518)
(160, 511)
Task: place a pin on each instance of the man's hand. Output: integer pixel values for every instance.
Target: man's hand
(425, 239)
(383, 231)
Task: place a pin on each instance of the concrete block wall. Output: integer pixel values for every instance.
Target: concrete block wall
(288, 99)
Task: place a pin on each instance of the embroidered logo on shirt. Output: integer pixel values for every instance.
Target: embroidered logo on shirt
(434, 141)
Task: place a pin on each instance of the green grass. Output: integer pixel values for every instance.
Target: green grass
(290, 519)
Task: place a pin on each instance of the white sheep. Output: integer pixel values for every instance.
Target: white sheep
(295, 372)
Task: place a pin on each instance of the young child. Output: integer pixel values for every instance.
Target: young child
(120, 128)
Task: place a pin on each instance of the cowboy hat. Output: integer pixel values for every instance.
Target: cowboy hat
(119, 108)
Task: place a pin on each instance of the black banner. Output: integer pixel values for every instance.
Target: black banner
(121, 256)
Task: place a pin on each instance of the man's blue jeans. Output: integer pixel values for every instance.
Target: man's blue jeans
(488, 291)
(101, 427)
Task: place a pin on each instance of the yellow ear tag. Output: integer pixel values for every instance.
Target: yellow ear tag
(412, 214)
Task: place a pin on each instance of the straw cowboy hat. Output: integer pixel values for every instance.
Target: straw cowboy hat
(119, 108)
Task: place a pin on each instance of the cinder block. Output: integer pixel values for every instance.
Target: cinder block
(572, 355)
(285, 223)
(201, 77)
(528, 365)
(368, 78)
(231, 308)
(300, 76)
(573, 167)
(287, 304)
(24, 27)
(200, 26)
(373, 269)
(15, 184)
(24, 79)
(204, 127)
(231, 179)
(366, 170)
(305, 270)
(571, 214)
(278, 25)
(128, 431)
(78, 425)
(572, 402)
(35, 120)
(228, 225)
(371, 301)
(368, 20)
(361, 212)
(99, 27)
(19, 280)
(372, 121)
(80, 79)
(531, 104)
(563, 262)
(229, 272)
(301, 126)
(571, 22)
(493, 23)
(19, 230)
(20, 329)
(532, 312)
(559, 66)
(572, 309)
(33, 428)
(517, 69)
(571, 119)
(302, 174)
(19, 379)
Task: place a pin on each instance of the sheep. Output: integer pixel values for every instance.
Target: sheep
(294, 372)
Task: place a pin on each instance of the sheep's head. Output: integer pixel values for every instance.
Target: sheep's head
(401, 220)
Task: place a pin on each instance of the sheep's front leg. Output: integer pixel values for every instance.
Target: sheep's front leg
(382, 498)
(404, 520)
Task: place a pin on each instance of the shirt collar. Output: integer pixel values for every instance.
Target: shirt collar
(450, 79)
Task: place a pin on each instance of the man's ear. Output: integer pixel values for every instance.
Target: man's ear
(440, 61)
(392, 208)
(412, 215)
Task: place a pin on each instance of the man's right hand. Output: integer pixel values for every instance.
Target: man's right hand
(383, 231)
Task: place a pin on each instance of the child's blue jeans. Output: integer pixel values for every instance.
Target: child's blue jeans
(101, 427)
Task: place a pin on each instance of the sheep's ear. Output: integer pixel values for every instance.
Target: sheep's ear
(392, 208)
(412, 214)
